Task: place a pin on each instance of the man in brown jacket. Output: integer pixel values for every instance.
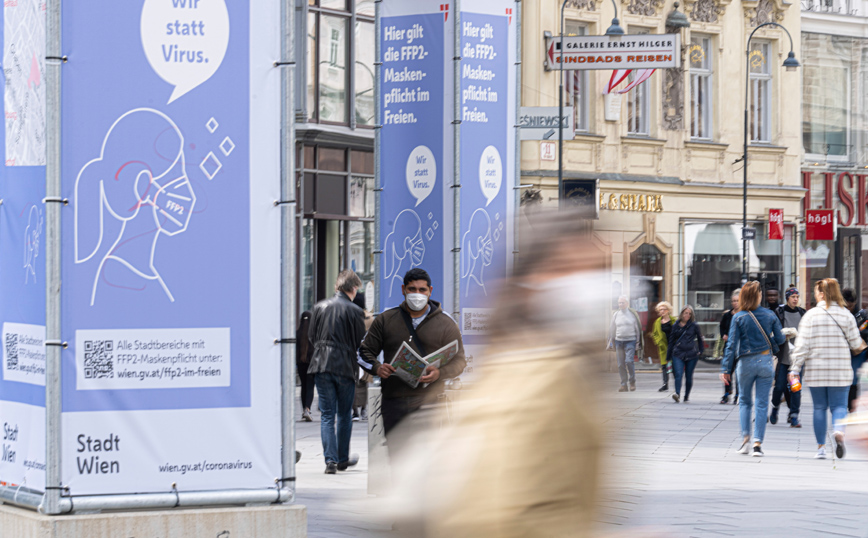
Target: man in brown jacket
(433, 329)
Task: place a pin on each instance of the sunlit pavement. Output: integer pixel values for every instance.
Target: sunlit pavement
(668, 469)
(672, 470)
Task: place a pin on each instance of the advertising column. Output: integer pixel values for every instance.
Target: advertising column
(171, 246)
(415, 155)
(22, 260)
(487, 159)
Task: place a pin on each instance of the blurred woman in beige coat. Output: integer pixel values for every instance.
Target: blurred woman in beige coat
(521, 458)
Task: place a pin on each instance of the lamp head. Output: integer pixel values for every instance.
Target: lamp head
(615, 31)
(791, 63)
(676, 20)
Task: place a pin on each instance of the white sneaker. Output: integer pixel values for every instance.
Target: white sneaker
(821, 453)
(745, 447)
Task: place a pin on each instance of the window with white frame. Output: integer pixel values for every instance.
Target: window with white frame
(759, 100)
(576, 84)
(828, 63)
(638, 101)
(701, 87)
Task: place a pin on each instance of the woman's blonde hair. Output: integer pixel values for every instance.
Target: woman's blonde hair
(831, 292)
(664, 304)
(750, 296)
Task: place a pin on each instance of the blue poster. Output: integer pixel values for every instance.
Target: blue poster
(22, 249)
(156, 234)
(170, 296)
(487, 138)
(412, 164)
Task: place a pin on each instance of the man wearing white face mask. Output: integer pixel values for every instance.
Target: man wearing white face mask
(421, 323)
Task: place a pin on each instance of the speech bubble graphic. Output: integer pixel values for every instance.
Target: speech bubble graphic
(421, 173)
(185, 40)
(490, 173)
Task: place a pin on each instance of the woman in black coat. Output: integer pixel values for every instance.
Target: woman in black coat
(685, 348)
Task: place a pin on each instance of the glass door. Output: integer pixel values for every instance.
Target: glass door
(647, 266)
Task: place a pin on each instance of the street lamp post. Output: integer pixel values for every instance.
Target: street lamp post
(791, 64)
(614, 31)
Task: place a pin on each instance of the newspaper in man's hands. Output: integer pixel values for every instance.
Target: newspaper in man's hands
(410, 367)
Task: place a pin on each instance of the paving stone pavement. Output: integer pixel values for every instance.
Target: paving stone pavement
(672, 470)
(668, 470)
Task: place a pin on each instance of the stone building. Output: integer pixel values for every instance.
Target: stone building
(664, 168)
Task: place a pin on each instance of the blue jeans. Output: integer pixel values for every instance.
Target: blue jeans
(834, 398)
(683, 369)
(754, 369)
(625, 351)
(335, 398)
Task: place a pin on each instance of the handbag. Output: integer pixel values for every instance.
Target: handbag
(853, 352)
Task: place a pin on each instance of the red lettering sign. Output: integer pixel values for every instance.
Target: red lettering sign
(776, 223)
(820, 225)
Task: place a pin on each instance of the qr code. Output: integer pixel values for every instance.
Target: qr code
(11, 351)
(468, 321)
(98, 359)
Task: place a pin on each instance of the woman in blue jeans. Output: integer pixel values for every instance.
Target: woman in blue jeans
(685, 347)
(754, 337)
(827, 335)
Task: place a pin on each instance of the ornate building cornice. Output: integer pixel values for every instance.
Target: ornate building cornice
(647, 8)
(762, 11)
(708, 11)
(590, 5)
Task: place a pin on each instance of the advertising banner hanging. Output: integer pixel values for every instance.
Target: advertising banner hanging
(820, 225)
(641, 51)
(171, 250)
(776, 224)
(415, 144)
(22, 259)
(487, 157)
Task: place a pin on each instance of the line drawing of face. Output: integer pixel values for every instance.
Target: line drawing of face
(140, 182)
(477, 249)
(403, 247)
(32, 234)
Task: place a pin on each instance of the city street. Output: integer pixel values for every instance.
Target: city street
(670, 470)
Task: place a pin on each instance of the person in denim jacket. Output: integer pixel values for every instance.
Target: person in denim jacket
(754, 337)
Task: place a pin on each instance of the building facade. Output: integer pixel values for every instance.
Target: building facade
(834, 140)
(335, 144)
(665, 167)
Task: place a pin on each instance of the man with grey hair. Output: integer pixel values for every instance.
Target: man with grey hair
(625, 337)
(337, 327)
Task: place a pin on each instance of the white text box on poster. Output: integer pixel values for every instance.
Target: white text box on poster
(120, 359)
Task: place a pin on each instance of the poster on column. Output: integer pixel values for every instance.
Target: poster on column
(487, 160)
(415, 144)
(22, 259)
(171, 252)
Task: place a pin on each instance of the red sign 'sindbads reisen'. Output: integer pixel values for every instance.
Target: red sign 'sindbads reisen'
(616, 59)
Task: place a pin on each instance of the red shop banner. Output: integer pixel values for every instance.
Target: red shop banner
(776, 223)
(820, 225)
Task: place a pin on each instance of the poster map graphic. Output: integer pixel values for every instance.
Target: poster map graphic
(24, 69)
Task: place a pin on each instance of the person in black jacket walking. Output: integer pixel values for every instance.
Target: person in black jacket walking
(685, 347)
(337, 327)
(303, 353)
(789, 314)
